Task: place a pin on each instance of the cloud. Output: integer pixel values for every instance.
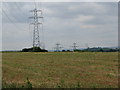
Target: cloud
(83, 18)
(89, 26)
(48, 11)
(68, 22)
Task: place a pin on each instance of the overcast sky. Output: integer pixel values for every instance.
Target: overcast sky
(87, 23)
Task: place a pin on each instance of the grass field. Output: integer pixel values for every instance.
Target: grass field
(60, 69)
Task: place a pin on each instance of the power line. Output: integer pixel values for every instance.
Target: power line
(39, 5)
(43, 39)
(7, 8)
(30, 34)
(21, 13)
(20, 10)
(35, 4)
(18, 7)
(42, 36)
(11, 20)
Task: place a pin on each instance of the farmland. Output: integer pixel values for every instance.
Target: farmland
(60, 69)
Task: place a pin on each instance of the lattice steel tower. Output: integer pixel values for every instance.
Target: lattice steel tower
(36, 23)
(74, 46)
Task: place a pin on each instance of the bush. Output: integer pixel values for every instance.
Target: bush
(34, 49)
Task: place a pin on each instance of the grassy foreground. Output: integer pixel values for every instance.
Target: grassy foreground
(60, 69)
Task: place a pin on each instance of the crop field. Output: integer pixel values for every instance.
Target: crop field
(60, 69)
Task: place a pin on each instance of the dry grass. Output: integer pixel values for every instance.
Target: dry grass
(61, 69)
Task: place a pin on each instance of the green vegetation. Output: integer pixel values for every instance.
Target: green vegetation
(60, 69)
(94, 49)
(98, 49)
(34, 49)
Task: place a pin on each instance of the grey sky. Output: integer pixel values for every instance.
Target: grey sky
(89, 23)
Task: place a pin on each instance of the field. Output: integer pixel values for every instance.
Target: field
(60, 69)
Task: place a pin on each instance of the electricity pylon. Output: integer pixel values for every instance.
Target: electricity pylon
(58, 47)
(74, 46)
(36, 23)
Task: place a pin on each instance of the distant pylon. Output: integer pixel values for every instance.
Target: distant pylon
(74, 46)
(87, 46)
(58, 47)
(36, 23)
